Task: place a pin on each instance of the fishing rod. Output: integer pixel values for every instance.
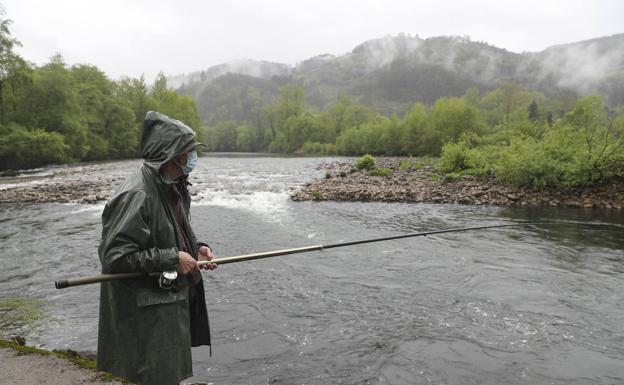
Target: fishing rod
(61, 284)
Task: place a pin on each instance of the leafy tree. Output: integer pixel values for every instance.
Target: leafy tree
(246, 140)
(502, 102)
(414, 127)
(55, 106)
(8, 59)
(222, 137)
(533, 111)
(136, 92)
(449, 118)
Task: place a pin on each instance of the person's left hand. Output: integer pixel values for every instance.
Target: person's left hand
(205, 254)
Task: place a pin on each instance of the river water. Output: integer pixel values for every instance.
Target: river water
(527, 305)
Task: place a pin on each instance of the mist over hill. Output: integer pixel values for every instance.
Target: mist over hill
(393, 72)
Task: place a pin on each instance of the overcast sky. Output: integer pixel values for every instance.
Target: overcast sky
(132, 37)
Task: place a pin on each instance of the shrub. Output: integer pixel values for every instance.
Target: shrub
(23, 148)
(366, 162)
(526, 163)
(465, 158)
(380, 172)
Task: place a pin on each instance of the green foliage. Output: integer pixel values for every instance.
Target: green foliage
(222, 137)
(526, 163)
(22, 148)
(585, 148)
(449, 119)
(380, 172)
(366, 162)
(55, 113)
(464, 156)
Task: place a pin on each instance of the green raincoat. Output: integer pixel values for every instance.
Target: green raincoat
(145, 332)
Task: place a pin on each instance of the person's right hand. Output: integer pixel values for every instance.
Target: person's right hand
(186, 263)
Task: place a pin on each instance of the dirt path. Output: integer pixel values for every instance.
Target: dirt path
(36, 369)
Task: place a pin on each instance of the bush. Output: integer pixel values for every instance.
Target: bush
(22, 148)
(527, 163)
(465, 158)
(380, 172)
(366, 162)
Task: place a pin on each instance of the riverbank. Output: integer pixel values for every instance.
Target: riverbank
(86, 183)
(25, 365)
(413, 181)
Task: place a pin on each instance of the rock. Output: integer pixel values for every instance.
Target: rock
(19, 340)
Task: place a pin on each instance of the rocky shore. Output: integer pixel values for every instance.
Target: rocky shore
(421, 183)
(88, 183)
(60, 192)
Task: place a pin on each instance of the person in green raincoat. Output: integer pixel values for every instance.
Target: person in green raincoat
(147, 326)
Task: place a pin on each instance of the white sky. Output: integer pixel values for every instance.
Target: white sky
(139, 36)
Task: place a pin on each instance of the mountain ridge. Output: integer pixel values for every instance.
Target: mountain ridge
(391, 72)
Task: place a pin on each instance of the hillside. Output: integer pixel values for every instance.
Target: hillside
(394, 71)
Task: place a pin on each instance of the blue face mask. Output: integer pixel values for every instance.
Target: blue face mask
(191, 162)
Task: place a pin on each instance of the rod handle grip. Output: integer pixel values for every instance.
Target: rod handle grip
(61, 284)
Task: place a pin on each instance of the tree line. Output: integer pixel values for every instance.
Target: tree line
(57, 113)
(521, 137)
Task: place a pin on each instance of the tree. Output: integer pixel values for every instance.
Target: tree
(448, 119)
(54, 106)
(414, 128)
(533, 111)
(136, 92)
(502, 102)
(8, 59)
(246, 140)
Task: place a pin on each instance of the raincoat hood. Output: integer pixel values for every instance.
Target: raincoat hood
(164, 138)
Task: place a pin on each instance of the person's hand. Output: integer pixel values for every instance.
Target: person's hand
(186, 263)
(205, 254)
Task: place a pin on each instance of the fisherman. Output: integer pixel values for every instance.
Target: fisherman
(148, 325)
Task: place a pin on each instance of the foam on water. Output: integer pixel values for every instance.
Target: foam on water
(96, 209)
(268, 204)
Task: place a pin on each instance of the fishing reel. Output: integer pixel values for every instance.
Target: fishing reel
(166, 279)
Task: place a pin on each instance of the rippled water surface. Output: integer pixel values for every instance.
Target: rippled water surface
(527, 305)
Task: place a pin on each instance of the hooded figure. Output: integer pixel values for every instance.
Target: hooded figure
(145, 331)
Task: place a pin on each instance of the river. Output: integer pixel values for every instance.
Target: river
(527, 305)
